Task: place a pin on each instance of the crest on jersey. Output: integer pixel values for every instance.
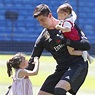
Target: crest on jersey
(47, 36)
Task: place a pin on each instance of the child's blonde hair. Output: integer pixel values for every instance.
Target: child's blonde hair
(65, 8)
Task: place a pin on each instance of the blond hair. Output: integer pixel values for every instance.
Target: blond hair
(65, 8)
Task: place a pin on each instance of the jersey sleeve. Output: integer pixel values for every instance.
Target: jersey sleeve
(38, 48)
(37, 51)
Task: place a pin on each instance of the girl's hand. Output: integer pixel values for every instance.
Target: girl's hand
(35, 60)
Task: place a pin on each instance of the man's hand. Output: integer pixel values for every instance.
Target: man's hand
(31, 65)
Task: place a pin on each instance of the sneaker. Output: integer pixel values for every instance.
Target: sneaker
(84, 55)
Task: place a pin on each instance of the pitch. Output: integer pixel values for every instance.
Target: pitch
(47, 66)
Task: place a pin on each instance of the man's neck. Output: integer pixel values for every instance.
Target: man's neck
(54, 23)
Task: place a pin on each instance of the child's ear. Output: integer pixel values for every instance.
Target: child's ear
(65, 13)
(50, 15)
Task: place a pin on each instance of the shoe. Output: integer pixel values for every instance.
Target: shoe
(84, 55)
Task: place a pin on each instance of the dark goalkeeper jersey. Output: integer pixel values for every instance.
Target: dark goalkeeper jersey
(47, 40)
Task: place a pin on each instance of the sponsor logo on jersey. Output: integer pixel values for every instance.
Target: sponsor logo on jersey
(67, 77)
(58, 47)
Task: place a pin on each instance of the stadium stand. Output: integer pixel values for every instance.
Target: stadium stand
(25, 29)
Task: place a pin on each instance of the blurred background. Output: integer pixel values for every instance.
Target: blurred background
(19, 30)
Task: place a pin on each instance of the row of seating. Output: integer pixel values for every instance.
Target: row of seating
(26, 24)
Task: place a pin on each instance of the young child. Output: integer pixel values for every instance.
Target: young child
(21, 84)
(67, 18)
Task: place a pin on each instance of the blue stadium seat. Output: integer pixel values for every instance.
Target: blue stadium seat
(27, 25)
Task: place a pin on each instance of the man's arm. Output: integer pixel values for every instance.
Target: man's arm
(81, 45)
(37, 51)
(30, 65)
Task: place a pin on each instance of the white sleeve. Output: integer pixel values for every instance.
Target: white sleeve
(67, 24)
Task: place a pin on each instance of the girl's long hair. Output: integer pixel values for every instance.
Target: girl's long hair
(14, 63)
(9, 68)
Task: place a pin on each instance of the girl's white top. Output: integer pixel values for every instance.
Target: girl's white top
(21, 86)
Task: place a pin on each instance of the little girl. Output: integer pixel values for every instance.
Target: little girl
(21, 84)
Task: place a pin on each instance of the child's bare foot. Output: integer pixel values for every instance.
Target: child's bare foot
(84, 55)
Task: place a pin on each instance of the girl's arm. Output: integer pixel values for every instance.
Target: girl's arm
(72, 51)
(25, 72)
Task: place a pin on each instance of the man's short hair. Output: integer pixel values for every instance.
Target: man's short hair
(41, 9)
(65, 8)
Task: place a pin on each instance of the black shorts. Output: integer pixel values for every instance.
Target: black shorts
(75, 75)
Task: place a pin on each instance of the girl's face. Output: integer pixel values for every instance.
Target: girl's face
(24, 63)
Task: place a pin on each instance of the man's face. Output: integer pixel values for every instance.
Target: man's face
(44, 21)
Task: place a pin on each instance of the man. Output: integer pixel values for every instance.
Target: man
(71, 70)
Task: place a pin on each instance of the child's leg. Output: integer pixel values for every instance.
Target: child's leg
(90, 58)
(84, 55)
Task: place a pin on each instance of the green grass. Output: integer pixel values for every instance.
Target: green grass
(47, 62)
(47, 66)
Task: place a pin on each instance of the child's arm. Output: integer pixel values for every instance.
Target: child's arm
(84, 54)
(25, 72)
(64, 28)
(72, 51)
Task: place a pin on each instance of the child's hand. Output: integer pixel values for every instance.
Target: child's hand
(57, 26)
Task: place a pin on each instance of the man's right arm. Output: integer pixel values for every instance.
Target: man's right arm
(81, 45)
(37, 51)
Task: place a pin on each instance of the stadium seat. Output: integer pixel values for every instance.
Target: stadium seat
(26, 24)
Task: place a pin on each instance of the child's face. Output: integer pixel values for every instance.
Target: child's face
(24, 63)
(62, 15)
